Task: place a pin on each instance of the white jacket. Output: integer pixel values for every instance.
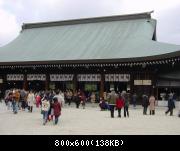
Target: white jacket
(45, 105)
(30, 99)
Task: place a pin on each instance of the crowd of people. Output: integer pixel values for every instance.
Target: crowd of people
(51, 102)
(113, 100)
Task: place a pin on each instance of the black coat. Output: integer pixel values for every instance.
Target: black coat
(76, 99)
(145, 101)
(171, 104)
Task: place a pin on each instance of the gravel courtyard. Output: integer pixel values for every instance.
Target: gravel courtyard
(89, 121)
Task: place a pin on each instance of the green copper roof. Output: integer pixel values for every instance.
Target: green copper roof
(96, 39)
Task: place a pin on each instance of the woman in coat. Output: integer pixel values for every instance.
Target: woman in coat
(112, 102)
(57, 110)
(30, 101)
(38, 100)
(152, 104)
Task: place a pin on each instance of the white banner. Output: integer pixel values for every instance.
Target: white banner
(61, 77)
(138, 82)
(15, 77)
(107, 77)
(89, 77)
(147, 82)
(40, 77)
(117, 77)
(142, 82)
(1, 80)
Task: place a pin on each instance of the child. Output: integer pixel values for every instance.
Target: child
(45, 109)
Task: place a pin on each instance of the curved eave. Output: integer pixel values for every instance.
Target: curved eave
(170, 75)
(145, 59)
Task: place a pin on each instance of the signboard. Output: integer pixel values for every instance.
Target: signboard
(61, 77)
(52, 85)
(15, 77)
(117, 77)
(1, 80)
(39, 77)
(142, 82)
(138, 82)
(90, 87)
(89, 77)
(69, 86)
(147, 82)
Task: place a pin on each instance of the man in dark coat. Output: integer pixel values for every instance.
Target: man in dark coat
(145, 104)
(171, 105)
(76, 99)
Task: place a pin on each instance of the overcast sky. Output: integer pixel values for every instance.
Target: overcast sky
(13, 13)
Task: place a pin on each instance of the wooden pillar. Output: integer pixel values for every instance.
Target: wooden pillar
(157, 93)
(1, 86)
(75, 82)
(25, 84)
(131, 83)
(47, 82)
(102, 85)
(154, 84)
(1, 81)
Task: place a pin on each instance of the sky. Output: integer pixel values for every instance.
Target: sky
(13, 13)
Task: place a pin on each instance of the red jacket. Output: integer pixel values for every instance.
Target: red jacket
(119, 103)
(57, 109)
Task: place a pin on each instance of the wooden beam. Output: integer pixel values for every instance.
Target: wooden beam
(102, 85)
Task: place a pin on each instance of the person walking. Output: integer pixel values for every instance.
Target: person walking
(30, 100)
(45, 109)
(119, 104)
(171, 105)
(57, 110)
(126, 98)
(82, 98)
(76, 99)
(15, 101)
(38, 100)
(134, 100)
(23, 97)
(9, 100)
(152, 102)
(145, 104)
(112, 102)
(59, 97)
(69, 96)
(14, 105)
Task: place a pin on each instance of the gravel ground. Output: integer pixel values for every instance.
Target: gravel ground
(89, 121)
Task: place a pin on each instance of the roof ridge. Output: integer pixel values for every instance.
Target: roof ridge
(88, 20)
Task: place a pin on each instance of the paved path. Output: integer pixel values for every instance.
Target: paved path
(89, 121)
